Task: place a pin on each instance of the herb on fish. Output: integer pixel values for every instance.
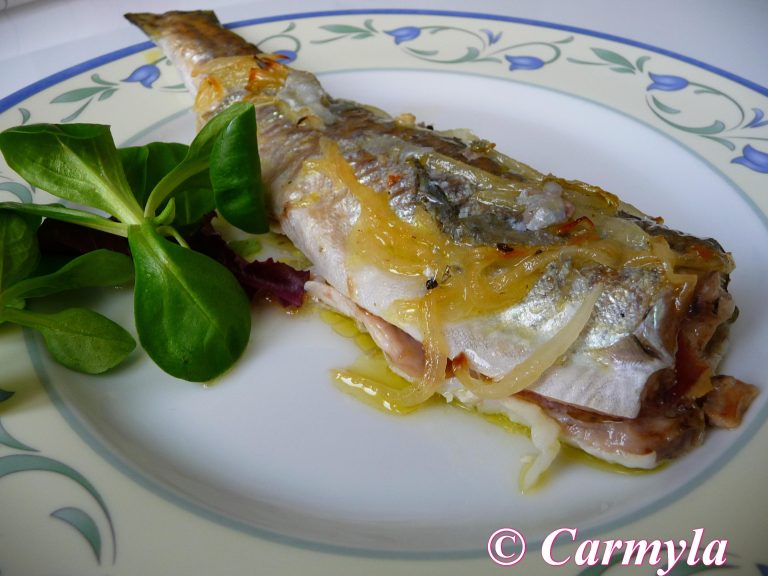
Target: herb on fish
(78, 338)
(192, 317)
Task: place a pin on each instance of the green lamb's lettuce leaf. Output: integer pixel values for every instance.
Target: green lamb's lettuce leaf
(76, 162)
(80, 339)
(198, 157)
(100, 268)
(236, 176)
(71, 215)
(192, 316)
(145, 166)
(19, 253)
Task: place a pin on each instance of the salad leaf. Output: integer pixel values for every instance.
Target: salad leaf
(268, 279)
(145, 166)
(78, 338)
(101, 268)
(64, 214)
(19, 253)
(198, 157)
(192, 317)
(58, 238)
(236, 177)
(76, 162)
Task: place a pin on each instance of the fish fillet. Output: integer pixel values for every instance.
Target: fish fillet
(481, 279)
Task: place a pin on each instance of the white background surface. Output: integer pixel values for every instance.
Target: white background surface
(728, 34)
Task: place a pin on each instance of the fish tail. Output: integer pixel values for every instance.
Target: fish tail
(191, 39)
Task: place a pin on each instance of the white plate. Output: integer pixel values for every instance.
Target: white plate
(273, 455)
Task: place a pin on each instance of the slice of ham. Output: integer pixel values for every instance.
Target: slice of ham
(673, 419)
(404, 354)
(725, 406)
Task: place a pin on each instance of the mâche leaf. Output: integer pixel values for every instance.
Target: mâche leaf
(198, 155)
(19, 253)
(64, 214)
(78, 338)
(268, 279)
(192, 317)
(57, 238)
(145, 166)
(100, 268)
(76, 162)
(236, 175)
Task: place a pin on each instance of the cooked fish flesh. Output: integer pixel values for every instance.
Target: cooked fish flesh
(481, 279)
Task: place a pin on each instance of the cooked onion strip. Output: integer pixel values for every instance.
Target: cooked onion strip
(435, 360)
(530, 369)
(686, 282)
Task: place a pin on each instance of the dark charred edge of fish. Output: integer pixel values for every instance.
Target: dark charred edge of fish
(153, 24)
(201, 27)
(678, 241)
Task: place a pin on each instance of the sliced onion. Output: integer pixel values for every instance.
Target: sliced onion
(435, 360)
(530, 369)
(686, 282)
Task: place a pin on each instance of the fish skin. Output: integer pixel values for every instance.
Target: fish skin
(191, 38)
(475, 195)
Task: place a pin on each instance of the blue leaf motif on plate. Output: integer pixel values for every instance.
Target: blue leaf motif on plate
(492, 37)
(757, 121)
(666, 82)
(144, 75)
(404, 33)
(753, 159)
(524, 62)
(286, 56)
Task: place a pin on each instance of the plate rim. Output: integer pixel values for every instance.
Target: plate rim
(31, 89)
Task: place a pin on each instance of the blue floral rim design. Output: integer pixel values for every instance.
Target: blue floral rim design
(20, 95)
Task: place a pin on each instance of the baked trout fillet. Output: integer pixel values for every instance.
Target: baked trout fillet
(481, 279)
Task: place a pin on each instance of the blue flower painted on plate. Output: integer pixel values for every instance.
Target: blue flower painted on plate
(753, 159)
(404, 33)
(492, 37)
(666, 82)
(524, 62)
(757, 121)
(145, 75)
(286, 56)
